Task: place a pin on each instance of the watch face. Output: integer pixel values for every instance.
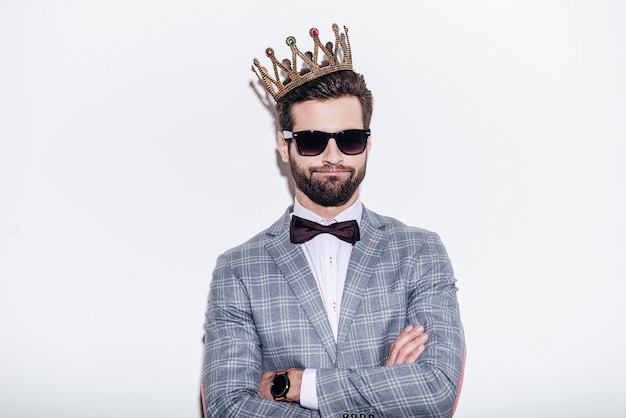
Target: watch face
(280, 385)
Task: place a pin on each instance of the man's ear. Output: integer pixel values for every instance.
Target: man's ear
(283, 146)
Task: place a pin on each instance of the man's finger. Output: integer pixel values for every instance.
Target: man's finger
(404, 346)
(411, 350)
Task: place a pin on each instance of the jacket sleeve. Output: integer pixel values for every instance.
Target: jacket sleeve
(232, 355)
(427, 388)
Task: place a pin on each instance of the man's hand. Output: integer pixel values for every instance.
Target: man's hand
(407, 347)
(295, 381)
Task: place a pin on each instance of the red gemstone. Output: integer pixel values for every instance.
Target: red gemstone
(314, 32)
(269, 52)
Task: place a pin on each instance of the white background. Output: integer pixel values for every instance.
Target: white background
(132, 144)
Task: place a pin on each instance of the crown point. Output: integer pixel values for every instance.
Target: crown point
(290, 75)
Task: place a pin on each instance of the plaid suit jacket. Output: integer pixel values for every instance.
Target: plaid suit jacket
(265, 313)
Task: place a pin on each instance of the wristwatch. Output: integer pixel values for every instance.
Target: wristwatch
(280, 385)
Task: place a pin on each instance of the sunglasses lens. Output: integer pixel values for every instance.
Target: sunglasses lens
(349, 142)
(352, 142)
(311, 143)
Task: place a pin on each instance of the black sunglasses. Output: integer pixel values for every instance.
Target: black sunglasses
(311, 143)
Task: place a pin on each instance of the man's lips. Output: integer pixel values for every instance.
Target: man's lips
(331, 170)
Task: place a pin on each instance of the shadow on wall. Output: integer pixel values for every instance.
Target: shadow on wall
(268, 103)
(201, 404)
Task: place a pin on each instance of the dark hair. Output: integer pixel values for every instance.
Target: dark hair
(330, 86)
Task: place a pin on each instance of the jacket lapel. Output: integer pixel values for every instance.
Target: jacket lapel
(292, 263)
(365, 256)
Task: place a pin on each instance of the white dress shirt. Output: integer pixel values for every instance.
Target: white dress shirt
(328, 258)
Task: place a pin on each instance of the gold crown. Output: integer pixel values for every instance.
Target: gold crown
(334, 58)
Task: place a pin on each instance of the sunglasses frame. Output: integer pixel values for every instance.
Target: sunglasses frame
(289, 135)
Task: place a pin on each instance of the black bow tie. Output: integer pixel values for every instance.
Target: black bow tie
(302, 230)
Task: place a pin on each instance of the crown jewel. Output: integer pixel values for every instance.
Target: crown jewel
(333, 58)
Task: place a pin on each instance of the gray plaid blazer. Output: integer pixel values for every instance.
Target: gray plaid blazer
(265, 313)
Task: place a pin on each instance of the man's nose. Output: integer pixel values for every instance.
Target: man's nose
(332, 154)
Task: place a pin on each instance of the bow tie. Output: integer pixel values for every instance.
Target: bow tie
(302, 230)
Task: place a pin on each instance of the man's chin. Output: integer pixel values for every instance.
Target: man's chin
(331, 187)
(333, 182)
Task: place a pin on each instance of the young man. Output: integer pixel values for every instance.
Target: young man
(334, 310)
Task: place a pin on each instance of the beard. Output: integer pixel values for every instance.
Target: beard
(330, 190)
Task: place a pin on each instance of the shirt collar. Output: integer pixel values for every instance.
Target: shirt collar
(353, 212)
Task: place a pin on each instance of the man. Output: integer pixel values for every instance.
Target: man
(359, 319)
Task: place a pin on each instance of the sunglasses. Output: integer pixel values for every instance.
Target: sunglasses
(311, 143)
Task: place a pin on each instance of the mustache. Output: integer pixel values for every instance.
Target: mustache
(331, 168)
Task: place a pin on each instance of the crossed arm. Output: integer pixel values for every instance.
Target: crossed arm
(405, 349)
(244, 340)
